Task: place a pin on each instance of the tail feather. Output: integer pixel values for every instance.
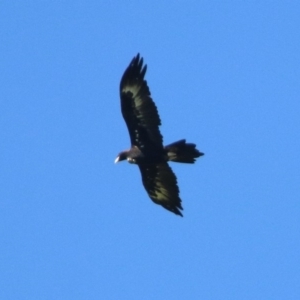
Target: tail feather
(182, 152)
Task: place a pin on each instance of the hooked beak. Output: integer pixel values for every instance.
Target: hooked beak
(117, 159)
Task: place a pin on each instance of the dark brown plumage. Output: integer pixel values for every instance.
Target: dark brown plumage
(147, 150)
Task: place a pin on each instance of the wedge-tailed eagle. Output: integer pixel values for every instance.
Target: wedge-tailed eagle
(147, 150)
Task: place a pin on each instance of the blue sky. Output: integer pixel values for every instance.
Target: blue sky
(224, 75)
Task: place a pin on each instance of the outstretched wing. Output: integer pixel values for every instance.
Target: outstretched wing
(138, 109)
(161, 185)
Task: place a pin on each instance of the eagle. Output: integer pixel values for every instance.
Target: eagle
(147, 150)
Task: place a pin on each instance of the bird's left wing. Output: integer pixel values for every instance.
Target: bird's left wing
(138, 109)
(161, 185)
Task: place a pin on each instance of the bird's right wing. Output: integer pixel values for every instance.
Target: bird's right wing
(161, 185)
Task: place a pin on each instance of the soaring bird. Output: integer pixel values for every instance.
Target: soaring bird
(147, 150)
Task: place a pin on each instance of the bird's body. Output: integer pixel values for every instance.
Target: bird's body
(147, 150)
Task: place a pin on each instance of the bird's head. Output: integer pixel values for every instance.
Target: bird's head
(121, 156)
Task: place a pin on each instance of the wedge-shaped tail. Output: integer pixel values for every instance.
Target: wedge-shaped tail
(182, 152)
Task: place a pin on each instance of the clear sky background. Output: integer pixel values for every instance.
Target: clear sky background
(224, 75)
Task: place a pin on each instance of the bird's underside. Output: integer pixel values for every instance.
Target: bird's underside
(147, 151)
